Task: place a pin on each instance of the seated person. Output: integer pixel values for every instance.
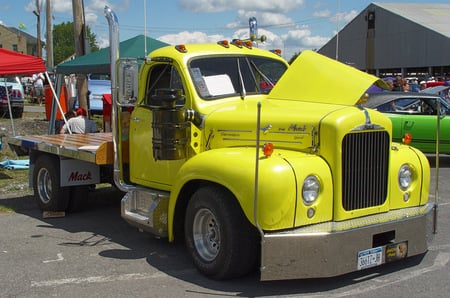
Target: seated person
(79, 124)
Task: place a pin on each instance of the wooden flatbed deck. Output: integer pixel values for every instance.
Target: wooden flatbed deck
(91, 147)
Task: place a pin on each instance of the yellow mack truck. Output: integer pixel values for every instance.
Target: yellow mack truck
(254, 163)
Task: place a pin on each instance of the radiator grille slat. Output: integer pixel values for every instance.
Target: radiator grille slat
(365, 159)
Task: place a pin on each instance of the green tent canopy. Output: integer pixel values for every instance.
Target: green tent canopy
(99, 62)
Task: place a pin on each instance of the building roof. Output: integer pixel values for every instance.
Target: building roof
(430, 15)
(30, 39)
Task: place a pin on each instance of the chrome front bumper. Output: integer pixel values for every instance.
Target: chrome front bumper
(331, 249)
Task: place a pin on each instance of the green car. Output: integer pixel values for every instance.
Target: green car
(415, 113)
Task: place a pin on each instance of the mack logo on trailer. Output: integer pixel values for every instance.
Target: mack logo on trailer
(78, 172)
(76, 176)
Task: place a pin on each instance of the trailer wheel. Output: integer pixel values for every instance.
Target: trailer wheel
(220, 240)
(49, 195)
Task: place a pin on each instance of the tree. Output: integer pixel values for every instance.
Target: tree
(64, 44)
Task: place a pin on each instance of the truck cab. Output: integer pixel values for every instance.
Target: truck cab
(228, 131)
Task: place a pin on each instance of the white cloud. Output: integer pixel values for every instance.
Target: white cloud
(344, 17)
(265, 19)
(322, 14)
(186, 37)
(230, 5)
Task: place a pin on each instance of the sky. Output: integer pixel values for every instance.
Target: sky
(289, 25)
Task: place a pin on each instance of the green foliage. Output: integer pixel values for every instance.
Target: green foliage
(64, 41)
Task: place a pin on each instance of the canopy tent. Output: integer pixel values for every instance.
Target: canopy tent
(13, 63)
(99, 62)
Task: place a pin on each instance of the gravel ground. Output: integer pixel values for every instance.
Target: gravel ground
(15, 183)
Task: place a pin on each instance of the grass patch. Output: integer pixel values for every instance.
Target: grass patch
(4, 209)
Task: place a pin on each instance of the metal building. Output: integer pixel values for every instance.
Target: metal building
(396, 38)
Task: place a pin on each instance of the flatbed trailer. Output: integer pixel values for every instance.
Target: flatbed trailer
(65, 167)
(95, 148)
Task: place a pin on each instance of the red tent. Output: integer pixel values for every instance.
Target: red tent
(13, 63)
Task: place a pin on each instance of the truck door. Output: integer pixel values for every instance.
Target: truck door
(146, 168)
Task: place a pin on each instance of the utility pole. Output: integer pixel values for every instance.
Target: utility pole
(49, 43)
(79, 36)
(37, 13)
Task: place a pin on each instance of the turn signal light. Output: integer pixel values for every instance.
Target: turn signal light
(268, 149)
(407, 138)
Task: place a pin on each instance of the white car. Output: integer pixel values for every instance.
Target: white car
(16, 96)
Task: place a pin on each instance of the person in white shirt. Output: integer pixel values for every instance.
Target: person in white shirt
(38, 84)
(79, 124)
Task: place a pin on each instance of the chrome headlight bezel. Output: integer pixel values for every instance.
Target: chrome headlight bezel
(405, 176)
(310, 190)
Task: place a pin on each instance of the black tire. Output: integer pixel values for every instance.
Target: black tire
(78, 198)
(220, 240)
(49, 195)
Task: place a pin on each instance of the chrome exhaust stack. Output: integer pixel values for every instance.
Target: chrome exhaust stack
(114, 56)
(143, 208)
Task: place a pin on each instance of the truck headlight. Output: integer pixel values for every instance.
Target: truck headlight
(310, 190)
(405, 175)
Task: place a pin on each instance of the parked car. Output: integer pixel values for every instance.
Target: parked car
(97, 86)
(415, 114)
(16, 96)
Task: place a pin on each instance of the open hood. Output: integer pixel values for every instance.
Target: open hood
(313, 77)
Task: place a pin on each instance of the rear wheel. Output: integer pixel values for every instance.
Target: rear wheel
(49, 195)
(219, 238)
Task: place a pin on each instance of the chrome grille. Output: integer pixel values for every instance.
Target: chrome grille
(365, 158)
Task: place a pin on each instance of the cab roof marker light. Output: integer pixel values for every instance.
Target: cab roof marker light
(276, 51)
(237, 42)
(248, 44)
(224, 43)
(181, 48)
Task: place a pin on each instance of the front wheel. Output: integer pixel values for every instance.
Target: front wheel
(220, 239)
(49, 195)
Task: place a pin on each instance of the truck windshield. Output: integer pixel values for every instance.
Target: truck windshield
(218, 77)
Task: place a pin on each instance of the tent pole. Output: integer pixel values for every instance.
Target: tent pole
(59, 81)
(10, 110)
(56, 99)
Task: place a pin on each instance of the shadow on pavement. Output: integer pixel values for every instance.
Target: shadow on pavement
(103, 222)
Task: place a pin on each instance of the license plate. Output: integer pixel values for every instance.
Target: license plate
(370, 257)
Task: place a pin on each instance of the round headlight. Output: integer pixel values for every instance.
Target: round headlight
(310, 190)
(405, 175)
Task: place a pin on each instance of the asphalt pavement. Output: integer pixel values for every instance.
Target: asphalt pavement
(95, 253)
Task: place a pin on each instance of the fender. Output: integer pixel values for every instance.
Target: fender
(418, 195)
(280, 183)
